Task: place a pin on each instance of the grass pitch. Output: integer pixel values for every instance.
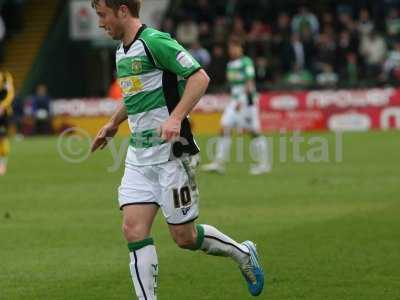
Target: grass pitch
(324, 230)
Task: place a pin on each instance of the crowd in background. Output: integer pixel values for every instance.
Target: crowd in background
(339, 45)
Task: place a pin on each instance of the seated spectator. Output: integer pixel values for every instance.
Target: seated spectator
(187, 32)
(373, 49)
(327, 78)
(391, 67)
(200, 54)
(41, 110)
(393, 22)
(299, 77)
(305, 18)
(365, 24)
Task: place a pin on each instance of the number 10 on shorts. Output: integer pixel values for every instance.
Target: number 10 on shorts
(182, 197)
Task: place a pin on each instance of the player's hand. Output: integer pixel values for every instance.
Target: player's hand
(171, 129)
(238, 106)
(2, 111)
(106, 133)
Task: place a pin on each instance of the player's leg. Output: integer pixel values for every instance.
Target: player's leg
(137, 222)
(4, 145)
(259, 143)
(228, 121)
(180, 200)
(213, 242)
(136, 199)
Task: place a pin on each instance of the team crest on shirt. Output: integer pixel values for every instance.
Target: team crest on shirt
(137, 66)
(184, 60)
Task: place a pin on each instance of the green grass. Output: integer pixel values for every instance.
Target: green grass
(324, 230)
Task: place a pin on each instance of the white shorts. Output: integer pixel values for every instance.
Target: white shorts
(247, 117)
(170, 185)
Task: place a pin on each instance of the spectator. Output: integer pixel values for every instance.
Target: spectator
(41, 110)
(393, 22)
(257, 38)
(327, 78)
(299, 77)
(345, 45)
(305, 18)
(282, 30)
(391, 67)
(294, 53)
(187, 32)
(220, 31)
(204, 12)
(365, 24)
(205, 34)
(218, 66)
(200, 54)
(328, 21)
(264, 72)
(351, 72)
(238, 31)
(373, 49)
(325, 50)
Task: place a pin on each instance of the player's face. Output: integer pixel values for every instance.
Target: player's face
(235, 51)
(110, 20)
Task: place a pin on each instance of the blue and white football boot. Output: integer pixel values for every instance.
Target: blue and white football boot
(252, 270)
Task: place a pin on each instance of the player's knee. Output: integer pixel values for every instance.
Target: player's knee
(134, 231)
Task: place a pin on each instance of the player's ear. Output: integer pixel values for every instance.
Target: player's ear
(123, 11)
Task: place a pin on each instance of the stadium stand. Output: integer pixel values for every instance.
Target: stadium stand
(318, 45)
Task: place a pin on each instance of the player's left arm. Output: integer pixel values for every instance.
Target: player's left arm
(169, 55)
(9, 86)
(250, 74)
(196, 86)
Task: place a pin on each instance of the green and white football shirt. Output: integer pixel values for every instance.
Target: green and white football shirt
(239, 71)
(152, 72)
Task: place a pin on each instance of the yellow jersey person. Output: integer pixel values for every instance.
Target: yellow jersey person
(6, 98)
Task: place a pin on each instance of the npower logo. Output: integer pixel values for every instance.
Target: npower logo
(388, 115)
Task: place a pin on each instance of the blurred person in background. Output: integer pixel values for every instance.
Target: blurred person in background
(200, 54)
(373, 48)
(115, 91)
(41, 110)
(7, 95)
(298, 77)
(241, 113)
(305, 18)
(217, 69)
(187, 32)
(391, 67)
(327, 78)
(365, 24)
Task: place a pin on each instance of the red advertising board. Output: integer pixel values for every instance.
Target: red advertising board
(354, 110)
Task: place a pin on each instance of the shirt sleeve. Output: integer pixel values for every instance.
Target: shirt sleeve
(249, 69)
(169, 55)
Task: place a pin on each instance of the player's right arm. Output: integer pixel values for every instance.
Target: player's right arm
(249, 71)
(110, 129)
